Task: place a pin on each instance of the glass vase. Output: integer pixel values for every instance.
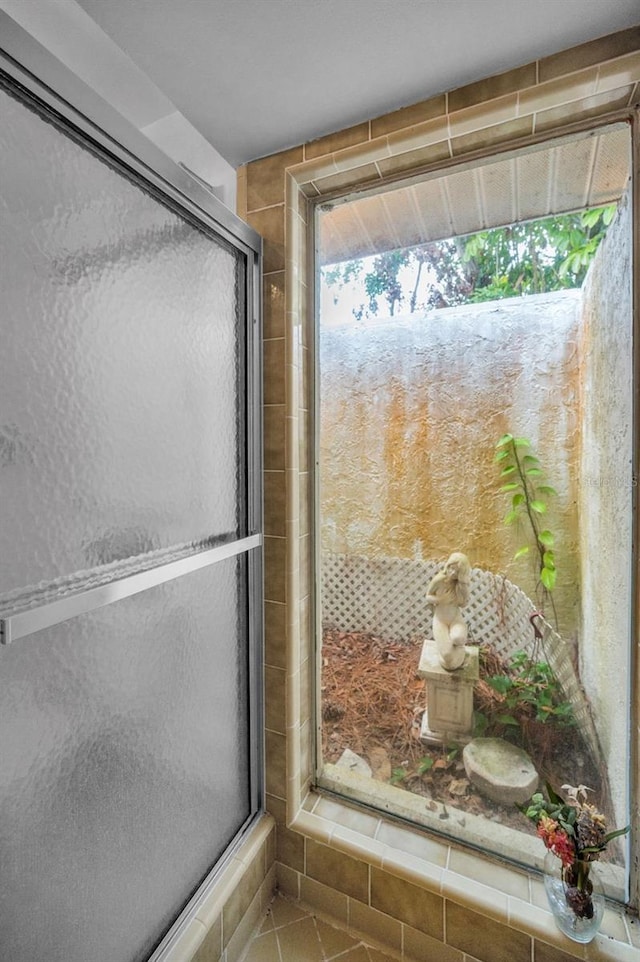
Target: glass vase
(575, 897)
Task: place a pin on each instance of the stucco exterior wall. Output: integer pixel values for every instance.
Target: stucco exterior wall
(605, 495)
(411, 410)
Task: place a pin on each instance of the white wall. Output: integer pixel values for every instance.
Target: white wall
(605, 495)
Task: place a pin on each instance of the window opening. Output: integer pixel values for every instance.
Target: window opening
(475, 397)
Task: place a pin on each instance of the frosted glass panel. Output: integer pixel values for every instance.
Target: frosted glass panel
(124, 768)
(120, 406)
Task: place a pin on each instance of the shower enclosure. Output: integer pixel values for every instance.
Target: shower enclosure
(130, 527)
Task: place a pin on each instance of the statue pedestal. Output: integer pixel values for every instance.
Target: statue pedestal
(449, 714)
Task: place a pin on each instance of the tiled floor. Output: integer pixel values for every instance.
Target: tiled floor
(291, 934)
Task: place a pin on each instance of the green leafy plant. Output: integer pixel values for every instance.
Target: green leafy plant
(531, 691)
(523, 481)
(423, 766)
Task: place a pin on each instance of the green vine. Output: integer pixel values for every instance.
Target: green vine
(523, 480)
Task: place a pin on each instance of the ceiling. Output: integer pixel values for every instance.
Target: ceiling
(258, 76)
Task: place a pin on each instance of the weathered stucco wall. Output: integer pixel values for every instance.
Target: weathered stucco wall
(605, 495)
(411, 411)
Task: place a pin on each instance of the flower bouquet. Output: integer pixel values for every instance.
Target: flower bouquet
(575, 833)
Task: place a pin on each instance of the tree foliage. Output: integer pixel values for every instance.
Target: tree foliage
(528, 258)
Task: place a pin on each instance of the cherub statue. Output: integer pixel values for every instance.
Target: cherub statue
(448, 591)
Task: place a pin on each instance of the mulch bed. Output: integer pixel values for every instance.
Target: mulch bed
(373, 701)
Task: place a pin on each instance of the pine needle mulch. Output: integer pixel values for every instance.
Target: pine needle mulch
(371, 695)
(373, 701)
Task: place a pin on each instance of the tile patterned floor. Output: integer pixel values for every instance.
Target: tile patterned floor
(291, 934)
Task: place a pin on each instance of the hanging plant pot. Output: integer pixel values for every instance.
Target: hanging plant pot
(575, 897)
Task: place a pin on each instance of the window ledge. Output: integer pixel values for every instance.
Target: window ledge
(504, 893)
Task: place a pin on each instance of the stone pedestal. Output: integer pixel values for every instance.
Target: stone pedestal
(449, 714)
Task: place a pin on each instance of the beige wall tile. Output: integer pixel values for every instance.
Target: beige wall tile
(359, 846)
(239, 902)
(409, 116)
(619, 73)
(305, 497)
(269, 223)
(587, 54)
(274, 569)
(338, 141)
(324, 899)
(547, 953)
(275, 637)
(353, 818)
(236, 945)
(418, 947)
(305, 689)
(483, 115)
(288, 880)
(347, 178)
(489, 872)
(274, 437)
(290, 848)
(304, 435)
(374, 925)
(558, 92)
(273, 304)
(276, 768)
(492, 135)
(274, 373)
(270, 854)
(310, 190)
(344, 873)
(415, 906)
(483, 938)
(211, 948)
(187, 942)
(423, 135)
(368, 153)
(583, 109)
(305, 559)
(275, 708)
(484, 898)
(274, 503)
(278, 808)
(413, 159)
(431, 850)
(492, 87)
(265, 178)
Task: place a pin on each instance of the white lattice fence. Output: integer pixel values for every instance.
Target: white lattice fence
(385, 597)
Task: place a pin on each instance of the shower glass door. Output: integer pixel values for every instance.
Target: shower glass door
(129, 543)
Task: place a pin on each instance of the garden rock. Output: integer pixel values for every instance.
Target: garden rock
(501, 771)
(354, 763)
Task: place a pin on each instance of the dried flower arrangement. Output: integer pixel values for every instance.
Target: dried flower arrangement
(575, 832)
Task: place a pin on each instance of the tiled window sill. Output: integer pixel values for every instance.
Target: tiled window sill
(511, 897)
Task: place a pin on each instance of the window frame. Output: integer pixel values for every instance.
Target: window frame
(361, 186)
